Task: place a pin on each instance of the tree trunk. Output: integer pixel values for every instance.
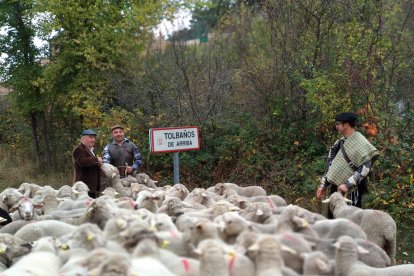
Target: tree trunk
(35, 141)
(45, 137)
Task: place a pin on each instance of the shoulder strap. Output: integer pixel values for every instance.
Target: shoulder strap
(346, 157)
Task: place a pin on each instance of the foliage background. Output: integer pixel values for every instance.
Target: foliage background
(264, 90)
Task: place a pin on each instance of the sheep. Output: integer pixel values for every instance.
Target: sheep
(87, 236)
(35, 264)
(231, 224)
(173, 206)
(379, 226)
(212, 258)
(24, 209)
(11, 247)
(201, 230)
(116, 264)
(334, 228)
(274, 201)
(38, 229)
(230, 262)
(143, 178)
(162, 222)
(267, 252)
(258, 212)
(146, 200)
(148, 247)
(120, 223)
(288, 221)
(110, 171)
(81, 190)
(249, 191)
(111, 192)
(50, 203)
(199, 196)
(66, 191)
(29, 189)
(128, 180)
(347, 262)
(14, 226)
(9, 198)
(178, 190)
(136, 188)
(317, 263)
(376, 258)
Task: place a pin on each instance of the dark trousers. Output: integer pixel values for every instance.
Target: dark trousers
(355, 196)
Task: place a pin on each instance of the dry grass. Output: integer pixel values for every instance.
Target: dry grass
(16, 168)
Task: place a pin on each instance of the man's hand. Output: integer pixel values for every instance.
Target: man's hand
(320, 193)
(129, 170)
(100, 161)
(343, 188)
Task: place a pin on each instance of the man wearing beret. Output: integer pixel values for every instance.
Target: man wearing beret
(122, 153)
(349, 162)
(86, 164)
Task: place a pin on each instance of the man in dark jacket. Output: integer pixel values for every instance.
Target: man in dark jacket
(86, 164)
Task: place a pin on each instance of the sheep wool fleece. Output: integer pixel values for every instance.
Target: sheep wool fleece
(359, 151)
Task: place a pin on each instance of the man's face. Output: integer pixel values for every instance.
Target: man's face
(88, 140)
(118, 135)
(341, 127)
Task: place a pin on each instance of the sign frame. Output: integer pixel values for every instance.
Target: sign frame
(152, 141)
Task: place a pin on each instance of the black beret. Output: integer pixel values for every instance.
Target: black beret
(346, 117)
(88, 132)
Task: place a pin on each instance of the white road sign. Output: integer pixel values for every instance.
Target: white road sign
(174, 139)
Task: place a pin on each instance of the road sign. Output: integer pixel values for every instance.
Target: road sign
(174, 139)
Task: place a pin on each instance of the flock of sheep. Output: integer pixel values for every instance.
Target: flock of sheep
(137, 228)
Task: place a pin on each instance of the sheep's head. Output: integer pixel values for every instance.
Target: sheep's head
(219, 188)
(26, 207)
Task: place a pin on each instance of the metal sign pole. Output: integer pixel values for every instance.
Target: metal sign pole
(176, 161)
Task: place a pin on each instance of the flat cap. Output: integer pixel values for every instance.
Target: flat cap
(117, 126)
(88, 132)
(346, 117)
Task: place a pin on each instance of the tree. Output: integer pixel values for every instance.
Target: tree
(23, 70)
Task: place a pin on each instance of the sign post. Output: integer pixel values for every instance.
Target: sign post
(174, 139)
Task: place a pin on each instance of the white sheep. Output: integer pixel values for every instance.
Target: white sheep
(35, 264)
(37, 229)
(347, 262)
(178, 190)
(267, 252)
(317, 263)
(334, 228)
(24, 209)
(230, 188)
(143, 178)
(379, 226)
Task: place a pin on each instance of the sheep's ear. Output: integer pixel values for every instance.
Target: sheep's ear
(362, 250)
(322, 265)
(259, 212)
(243, 204)
(300, 222)
(3, 248)
(197, 252)
(288, 249)
(204, 194)
(326, 200)
(38, 206)
(14, 208)
(347, 200)
(254, 247)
